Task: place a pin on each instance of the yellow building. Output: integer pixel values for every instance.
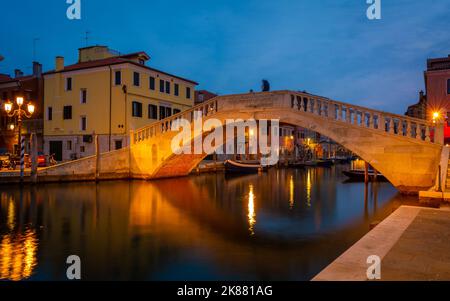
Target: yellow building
(107, 94)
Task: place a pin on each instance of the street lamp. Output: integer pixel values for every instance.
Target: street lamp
(20, 113)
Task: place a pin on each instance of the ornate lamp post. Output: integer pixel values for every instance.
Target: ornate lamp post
(20, 113)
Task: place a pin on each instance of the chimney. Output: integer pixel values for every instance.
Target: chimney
(37, 69)
(17, 73)
(59, 63)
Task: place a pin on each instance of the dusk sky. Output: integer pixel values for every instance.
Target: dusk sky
(325, 47)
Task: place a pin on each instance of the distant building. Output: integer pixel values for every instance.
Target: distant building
(30, 87)
(418, 110)
(203, 95)
(437, 83)
(107, 94)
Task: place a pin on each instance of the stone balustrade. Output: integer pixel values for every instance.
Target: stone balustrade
(304, 103)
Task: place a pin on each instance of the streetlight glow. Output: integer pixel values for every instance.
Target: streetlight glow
(8, 106)
(19, 101)
(30, 108)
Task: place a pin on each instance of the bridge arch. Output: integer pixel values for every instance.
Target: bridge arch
(399, 147)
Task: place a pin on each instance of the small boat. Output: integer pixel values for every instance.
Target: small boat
(241, 167)
(296, 164)
(358, 174)
(310, 163)
(325, 163)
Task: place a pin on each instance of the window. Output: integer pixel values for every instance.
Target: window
(175, 89)
(69, 144)
(448, 86)
(161, 86)
(118, 144)
(168, 87)
(188, 92)
(5, 96)
(82, 149)
(83, 123)
(69, 84)
(118, 78)
(136, 79)
(162, 112)
(176, 111)
(136, 109)
(83, 95)
(49, 113)
(67, 112)
(152, 112)
(152, 83)
(168, 111)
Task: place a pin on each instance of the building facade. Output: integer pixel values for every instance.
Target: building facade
(418, 110)
(437, 83)
(106, 94)
(31, 88)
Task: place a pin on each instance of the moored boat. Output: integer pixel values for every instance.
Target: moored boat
(241, 167)
(357, 174)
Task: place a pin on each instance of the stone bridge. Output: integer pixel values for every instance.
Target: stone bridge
(405, 150)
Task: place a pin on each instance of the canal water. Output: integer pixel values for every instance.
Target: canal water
(285, 224)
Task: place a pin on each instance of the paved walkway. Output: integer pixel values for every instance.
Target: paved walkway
(413, 243)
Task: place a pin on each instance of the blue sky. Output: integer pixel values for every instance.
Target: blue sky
(326, 47)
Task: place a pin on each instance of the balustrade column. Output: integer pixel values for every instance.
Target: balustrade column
(408, 128)
(348, 115)
(330, 113)
(427, 133)
(390, 127)
(419, 132)
(355, 117)
(316, 107)
(339, 113)
(381, 123)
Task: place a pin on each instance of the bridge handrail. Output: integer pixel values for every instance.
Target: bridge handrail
(393, 123)
(163, 125)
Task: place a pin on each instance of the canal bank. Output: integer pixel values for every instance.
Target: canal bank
(413, 243)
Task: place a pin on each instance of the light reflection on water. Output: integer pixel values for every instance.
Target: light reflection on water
(282, 225)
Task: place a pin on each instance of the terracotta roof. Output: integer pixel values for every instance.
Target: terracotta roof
(4, 77)
(7, 79)
(114, 61)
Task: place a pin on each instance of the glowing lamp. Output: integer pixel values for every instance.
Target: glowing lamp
(436, 115)
(19, 101)
(30, 108)
(8, 106)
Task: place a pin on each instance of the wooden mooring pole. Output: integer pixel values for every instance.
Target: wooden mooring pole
(366, 172)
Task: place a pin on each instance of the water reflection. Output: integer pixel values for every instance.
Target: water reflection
(251, 210)
(203, 227)
(18, 242)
